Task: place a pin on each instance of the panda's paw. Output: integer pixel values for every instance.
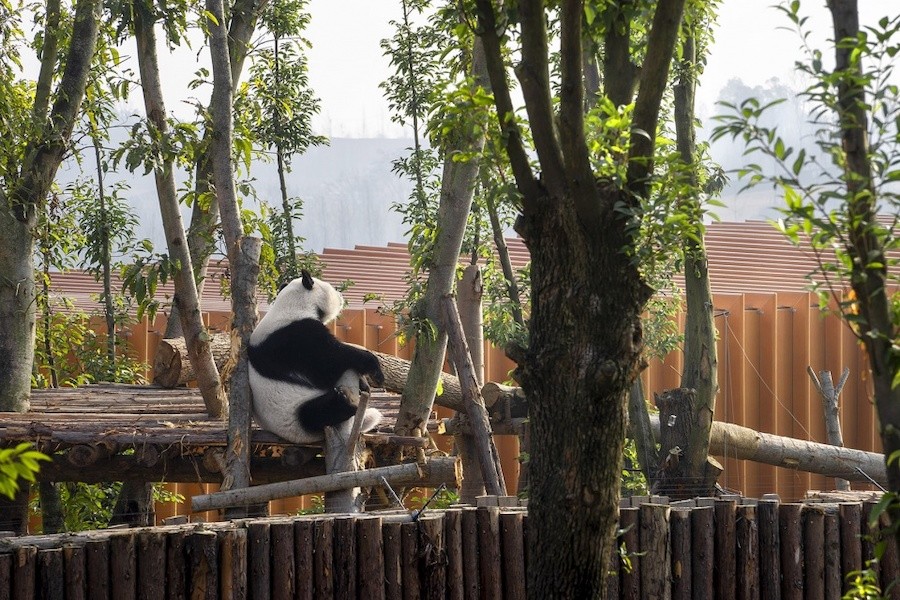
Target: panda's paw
(364, 386)
(377, 377)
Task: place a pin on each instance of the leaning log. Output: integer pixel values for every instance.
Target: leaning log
(735, 441)
(431, 473)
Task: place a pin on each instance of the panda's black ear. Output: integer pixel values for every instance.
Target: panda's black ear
(307, 279)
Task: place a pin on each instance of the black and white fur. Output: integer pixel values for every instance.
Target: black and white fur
(297, 366)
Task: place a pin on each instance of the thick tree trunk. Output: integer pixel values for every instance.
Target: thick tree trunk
(186, 297)
(457, 187)
(585, 342)
(134, 505)
(22, 201)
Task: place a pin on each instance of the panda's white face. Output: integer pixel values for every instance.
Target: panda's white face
(303, 298)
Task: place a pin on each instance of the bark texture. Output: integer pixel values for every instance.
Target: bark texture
(585, 339)
(457, 188)
(186, 296)
(25, 197)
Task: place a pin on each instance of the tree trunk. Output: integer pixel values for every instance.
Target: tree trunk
(25, 197)
(243, 252)
(457, 186)
(825, 386)
(869, 267)
(585, 344)
(700, 360)
(52, 516)
(470, 290)
(134, 505)
(201, 236)
(186, 297)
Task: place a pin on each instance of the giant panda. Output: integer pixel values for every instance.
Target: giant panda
(298, 367)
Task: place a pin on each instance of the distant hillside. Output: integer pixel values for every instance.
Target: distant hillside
(347, 188)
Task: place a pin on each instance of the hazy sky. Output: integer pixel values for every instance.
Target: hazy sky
(346, 61)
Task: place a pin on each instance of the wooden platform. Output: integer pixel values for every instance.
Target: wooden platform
(113, 432)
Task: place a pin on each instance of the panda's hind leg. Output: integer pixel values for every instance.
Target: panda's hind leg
(326, 410)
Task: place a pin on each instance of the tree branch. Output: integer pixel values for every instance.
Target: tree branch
(512, 136)
(654, 76)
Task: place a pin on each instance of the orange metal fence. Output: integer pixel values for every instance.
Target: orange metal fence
(765, 343)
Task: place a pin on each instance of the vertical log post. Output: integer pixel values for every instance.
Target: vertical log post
(282, 540)
(703, 549)
(489, 552)
(304, 539)
(832, 554)
(323, 560)
(409, 561)
(471, 554)
(680, 524)
(432, 557)
(513, 553)
(345, 557)
(75, 559)
(631, 578)
(176, 571)
(475, 410)
(814, 552)
(791, 532)
(851, 544)
(370, 558)
(454, 544)
(123, 567)
(825, 386)
(258, 561)
(233, 570)
(769, 550)
(656, 567)
(151, 553)
(747, 553)
(470, 289)
(203, 565)
(393, 550)
(50, 567)
(726, 561)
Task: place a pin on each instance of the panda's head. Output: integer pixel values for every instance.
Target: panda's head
(306, 298)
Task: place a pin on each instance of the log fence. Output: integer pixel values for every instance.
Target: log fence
(703, 549)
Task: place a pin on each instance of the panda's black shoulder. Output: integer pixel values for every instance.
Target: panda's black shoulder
(303, 351)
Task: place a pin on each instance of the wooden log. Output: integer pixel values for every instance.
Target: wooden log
(6, 567)
(471, 554)
(829, 393)
(432, 473)
(51, 580)
(629, 524)
(324, 560)
(370, 558)
(339, 460)
(75, 559)
(832, 555)
(432, 557)
(488, 458)
(890, 560)
(409, 563)
(258, 560)
(656, 558)
(203, 565)
(24, 573)
(283, 578)
(172, 367)
(790, 528)
(151, 556)
(233, 563)
(747, 553)
(851, 544)
(680, 527)
(393, 574)
(725, 575)
(814, 551)
(345, 557)
(176, 565)
(304, 539)
(682, 471)
(97, 563)
(490, 567)
(512, 549)
(453, 543)
(123, 567)
(869, 538)
(236, 371)
(769, 550)
(703, 562)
